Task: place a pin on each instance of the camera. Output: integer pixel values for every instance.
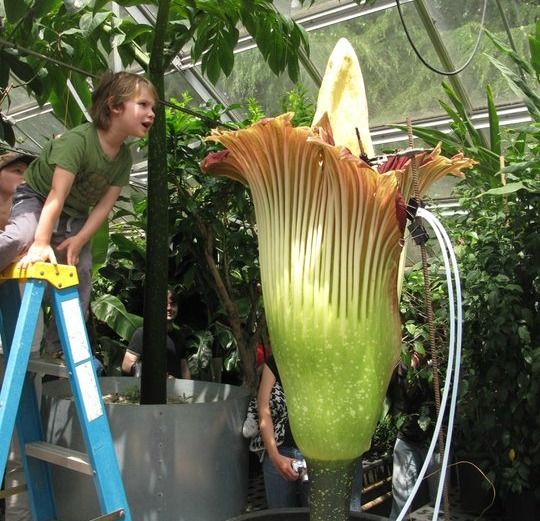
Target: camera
(300, 467)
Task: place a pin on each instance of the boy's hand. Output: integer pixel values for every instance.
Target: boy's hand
(72, 246)
(38, 253)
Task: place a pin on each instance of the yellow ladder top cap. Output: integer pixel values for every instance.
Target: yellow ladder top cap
(60, 276)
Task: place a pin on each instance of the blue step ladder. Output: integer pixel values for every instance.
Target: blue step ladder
(18, 401)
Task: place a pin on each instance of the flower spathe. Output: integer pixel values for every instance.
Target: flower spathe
(330, 231)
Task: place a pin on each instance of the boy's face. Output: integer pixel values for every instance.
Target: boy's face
(11, 176)
(136, 115)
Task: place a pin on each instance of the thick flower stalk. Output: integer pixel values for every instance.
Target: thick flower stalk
(330, 231)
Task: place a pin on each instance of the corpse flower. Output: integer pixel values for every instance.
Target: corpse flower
(331, 233)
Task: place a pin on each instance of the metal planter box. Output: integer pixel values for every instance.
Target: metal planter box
(179, 462)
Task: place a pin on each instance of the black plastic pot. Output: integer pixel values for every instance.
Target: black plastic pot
(296, 514)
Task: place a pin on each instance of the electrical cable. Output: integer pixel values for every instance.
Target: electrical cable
(424, 61)
(454, 353)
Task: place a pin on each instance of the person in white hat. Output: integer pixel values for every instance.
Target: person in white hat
(12, 168)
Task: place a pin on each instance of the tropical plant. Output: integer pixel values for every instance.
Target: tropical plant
(497, 246)
(330, 230)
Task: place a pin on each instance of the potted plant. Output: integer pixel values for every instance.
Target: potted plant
(173, 457)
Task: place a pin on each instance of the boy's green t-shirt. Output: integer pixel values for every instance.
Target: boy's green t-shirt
(78, 151)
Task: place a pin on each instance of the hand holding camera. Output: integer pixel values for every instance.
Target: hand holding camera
(300, 467)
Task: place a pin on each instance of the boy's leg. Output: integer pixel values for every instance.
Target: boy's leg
(19, 232)
(68, 227)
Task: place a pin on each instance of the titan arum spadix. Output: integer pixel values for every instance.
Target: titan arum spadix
(331, 231)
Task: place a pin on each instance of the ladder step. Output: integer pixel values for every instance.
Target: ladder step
(68, 458)
(19, 489)
(119, 514)
(36, 365)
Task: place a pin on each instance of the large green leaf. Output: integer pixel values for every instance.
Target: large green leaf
(506, 189)
(4, 70)
(42, 7)
(100, 246)
(15, 10)
(521, 88)
(211, 64)
(464, 118)
(226, 41)
(126, 245)
(111, 310)
(516, 58)
(432, 137)
(534, 46)
(88, 23)
(6, 132)
(203, 36)
(494, 130)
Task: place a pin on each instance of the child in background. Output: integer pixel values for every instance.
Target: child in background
(72, 186)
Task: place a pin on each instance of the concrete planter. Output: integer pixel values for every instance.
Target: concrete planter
(296, 514)
(179, 462)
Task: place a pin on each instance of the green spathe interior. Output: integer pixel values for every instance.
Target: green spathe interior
(335, 384)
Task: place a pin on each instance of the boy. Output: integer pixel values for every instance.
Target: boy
(75, 182)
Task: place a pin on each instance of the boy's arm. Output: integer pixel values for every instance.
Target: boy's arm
(97, 216)
(41, 249)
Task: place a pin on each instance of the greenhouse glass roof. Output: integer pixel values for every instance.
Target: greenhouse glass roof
(397, 83)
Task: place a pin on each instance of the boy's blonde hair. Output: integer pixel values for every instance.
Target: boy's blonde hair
(113, 90)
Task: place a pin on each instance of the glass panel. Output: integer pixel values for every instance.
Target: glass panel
(397, 84)
(392, 75)
(176, 85)
(252, 78)
(24, 143)
(17, 97)
(295, 9)
(40, 128)
(459, 22)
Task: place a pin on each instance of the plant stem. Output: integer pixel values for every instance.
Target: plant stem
(330, 484)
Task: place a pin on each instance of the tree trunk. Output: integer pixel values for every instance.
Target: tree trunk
(154, 367)
(247, 355)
